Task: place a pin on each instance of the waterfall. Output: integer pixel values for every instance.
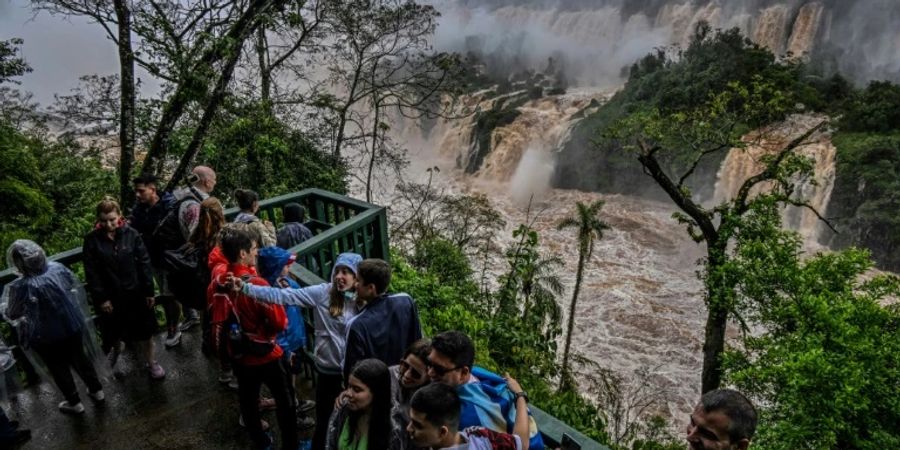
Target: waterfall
(743, 163)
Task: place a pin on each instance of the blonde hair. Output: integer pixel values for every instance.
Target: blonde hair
(108, 205)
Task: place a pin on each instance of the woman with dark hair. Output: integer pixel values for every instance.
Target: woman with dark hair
(406, 378)
(120, 281)
(248, 202)
(363, 422)
(333, 306)
(204, 239)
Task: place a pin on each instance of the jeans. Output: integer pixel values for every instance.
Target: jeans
(274, 375)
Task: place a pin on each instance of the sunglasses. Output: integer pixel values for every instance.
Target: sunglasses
(405, 367)
(440, 370)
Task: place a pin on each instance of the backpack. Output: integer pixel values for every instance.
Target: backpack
(188, 274)
(239, 343)
(168, 231)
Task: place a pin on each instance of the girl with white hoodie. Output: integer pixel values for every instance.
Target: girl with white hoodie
(333, 306)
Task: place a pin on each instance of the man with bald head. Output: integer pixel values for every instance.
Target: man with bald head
(202, 181)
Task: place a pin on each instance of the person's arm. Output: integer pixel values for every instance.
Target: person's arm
(521, 427)
(307, 297)
(16, 306)
(356, 351)
(91, 276)
(142, 263)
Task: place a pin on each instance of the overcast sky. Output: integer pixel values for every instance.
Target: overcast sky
(59, 50)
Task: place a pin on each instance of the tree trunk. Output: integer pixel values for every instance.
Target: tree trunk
(185, 91)
(716, 319)
(265, 73)
(566, 379)
(371, 168)
(126, 112)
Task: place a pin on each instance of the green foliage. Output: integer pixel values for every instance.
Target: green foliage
(49, 190)
(825, 366)
(11, 64)
(253, 149)
(874, 109)
(866, 195)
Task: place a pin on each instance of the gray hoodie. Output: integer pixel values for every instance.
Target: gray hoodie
(330, 332)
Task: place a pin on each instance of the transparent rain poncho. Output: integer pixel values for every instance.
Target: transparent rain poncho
(47, 303)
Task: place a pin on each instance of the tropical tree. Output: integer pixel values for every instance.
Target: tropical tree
(589, 229)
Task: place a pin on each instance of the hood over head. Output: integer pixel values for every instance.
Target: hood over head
(26, 257)
(348, 260)
(271, 260)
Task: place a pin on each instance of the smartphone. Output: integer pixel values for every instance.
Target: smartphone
(568, 443)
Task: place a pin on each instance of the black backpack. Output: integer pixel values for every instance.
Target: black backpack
(167, 233)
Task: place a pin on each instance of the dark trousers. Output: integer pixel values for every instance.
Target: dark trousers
(275, 376)
(7, 430)
(328, 387)
(62, 356)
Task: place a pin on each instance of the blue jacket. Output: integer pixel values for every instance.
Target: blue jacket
(270, 262)
(384, 328)
(292, 234)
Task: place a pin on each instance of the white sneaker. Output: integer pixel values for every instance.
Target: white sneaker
(172, 341)
(225, 377)
(77, 408)
(98, 396)
(190, 321)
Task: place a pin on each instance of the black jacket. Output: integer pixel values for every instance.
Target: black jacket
(382, 330)
(116, 268)
(145, 219)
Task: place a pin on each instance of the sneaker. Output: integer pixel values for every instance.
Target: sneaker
(265, 425)
(226, 376)
(305, 407)
(98, 396)
(77, 408)
(190, 321)
(233, 384)
(305, 423)
(113, 358)
(173, 340)
(156, 371)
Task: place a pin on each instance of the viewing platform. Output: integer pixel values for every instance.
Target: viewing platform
(190, 409)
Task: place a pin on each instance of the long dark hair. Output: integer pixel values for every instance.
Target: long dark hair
(374, 374)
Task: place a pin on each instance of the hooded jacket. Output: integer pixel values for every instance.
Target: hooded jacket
(384, 329)
(270, 262)
(42, 302)
(118, 267)
(330, 332)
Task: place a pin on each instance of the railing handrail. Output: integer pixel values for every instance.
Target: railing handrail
(363, 215)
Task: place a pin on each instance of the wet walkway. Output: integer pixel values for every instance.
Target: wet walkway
(190, 409)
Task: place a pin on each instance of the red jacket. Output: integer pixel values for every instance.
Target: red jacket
(263, 319)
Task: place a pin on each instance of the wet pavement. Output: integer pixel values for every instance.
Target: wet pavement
(190, 409)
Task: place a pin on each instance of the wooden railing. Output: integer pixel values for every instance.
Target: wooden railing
(341, 224)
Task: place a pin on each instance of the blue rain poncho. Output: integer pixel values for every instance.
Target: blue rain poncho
(46, 303)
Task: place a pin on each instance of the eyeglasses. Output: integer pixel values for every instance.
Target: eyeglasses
(438, 369)
(413, 373)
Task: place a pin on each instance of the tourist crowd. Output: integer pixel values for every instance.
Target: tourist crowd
(379, 384)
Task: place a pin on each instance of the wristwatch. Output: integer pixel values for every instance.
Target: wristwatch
(522, 394)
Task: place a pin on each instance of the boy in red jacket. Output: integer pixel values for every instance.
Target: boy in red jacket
(259, 323)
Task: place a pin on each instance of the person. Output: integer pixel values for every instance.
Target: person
(120, 282)
(248, 202)
(406, 378)
(435, 417)
(387, 324)
(723, 419)
(273, 264)
(333, 306)
(204, 239)
(363, 422)
(252, 346)
(293, 232)
(148, 214)
(43, 304)
(179, 227)
(485, 398)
